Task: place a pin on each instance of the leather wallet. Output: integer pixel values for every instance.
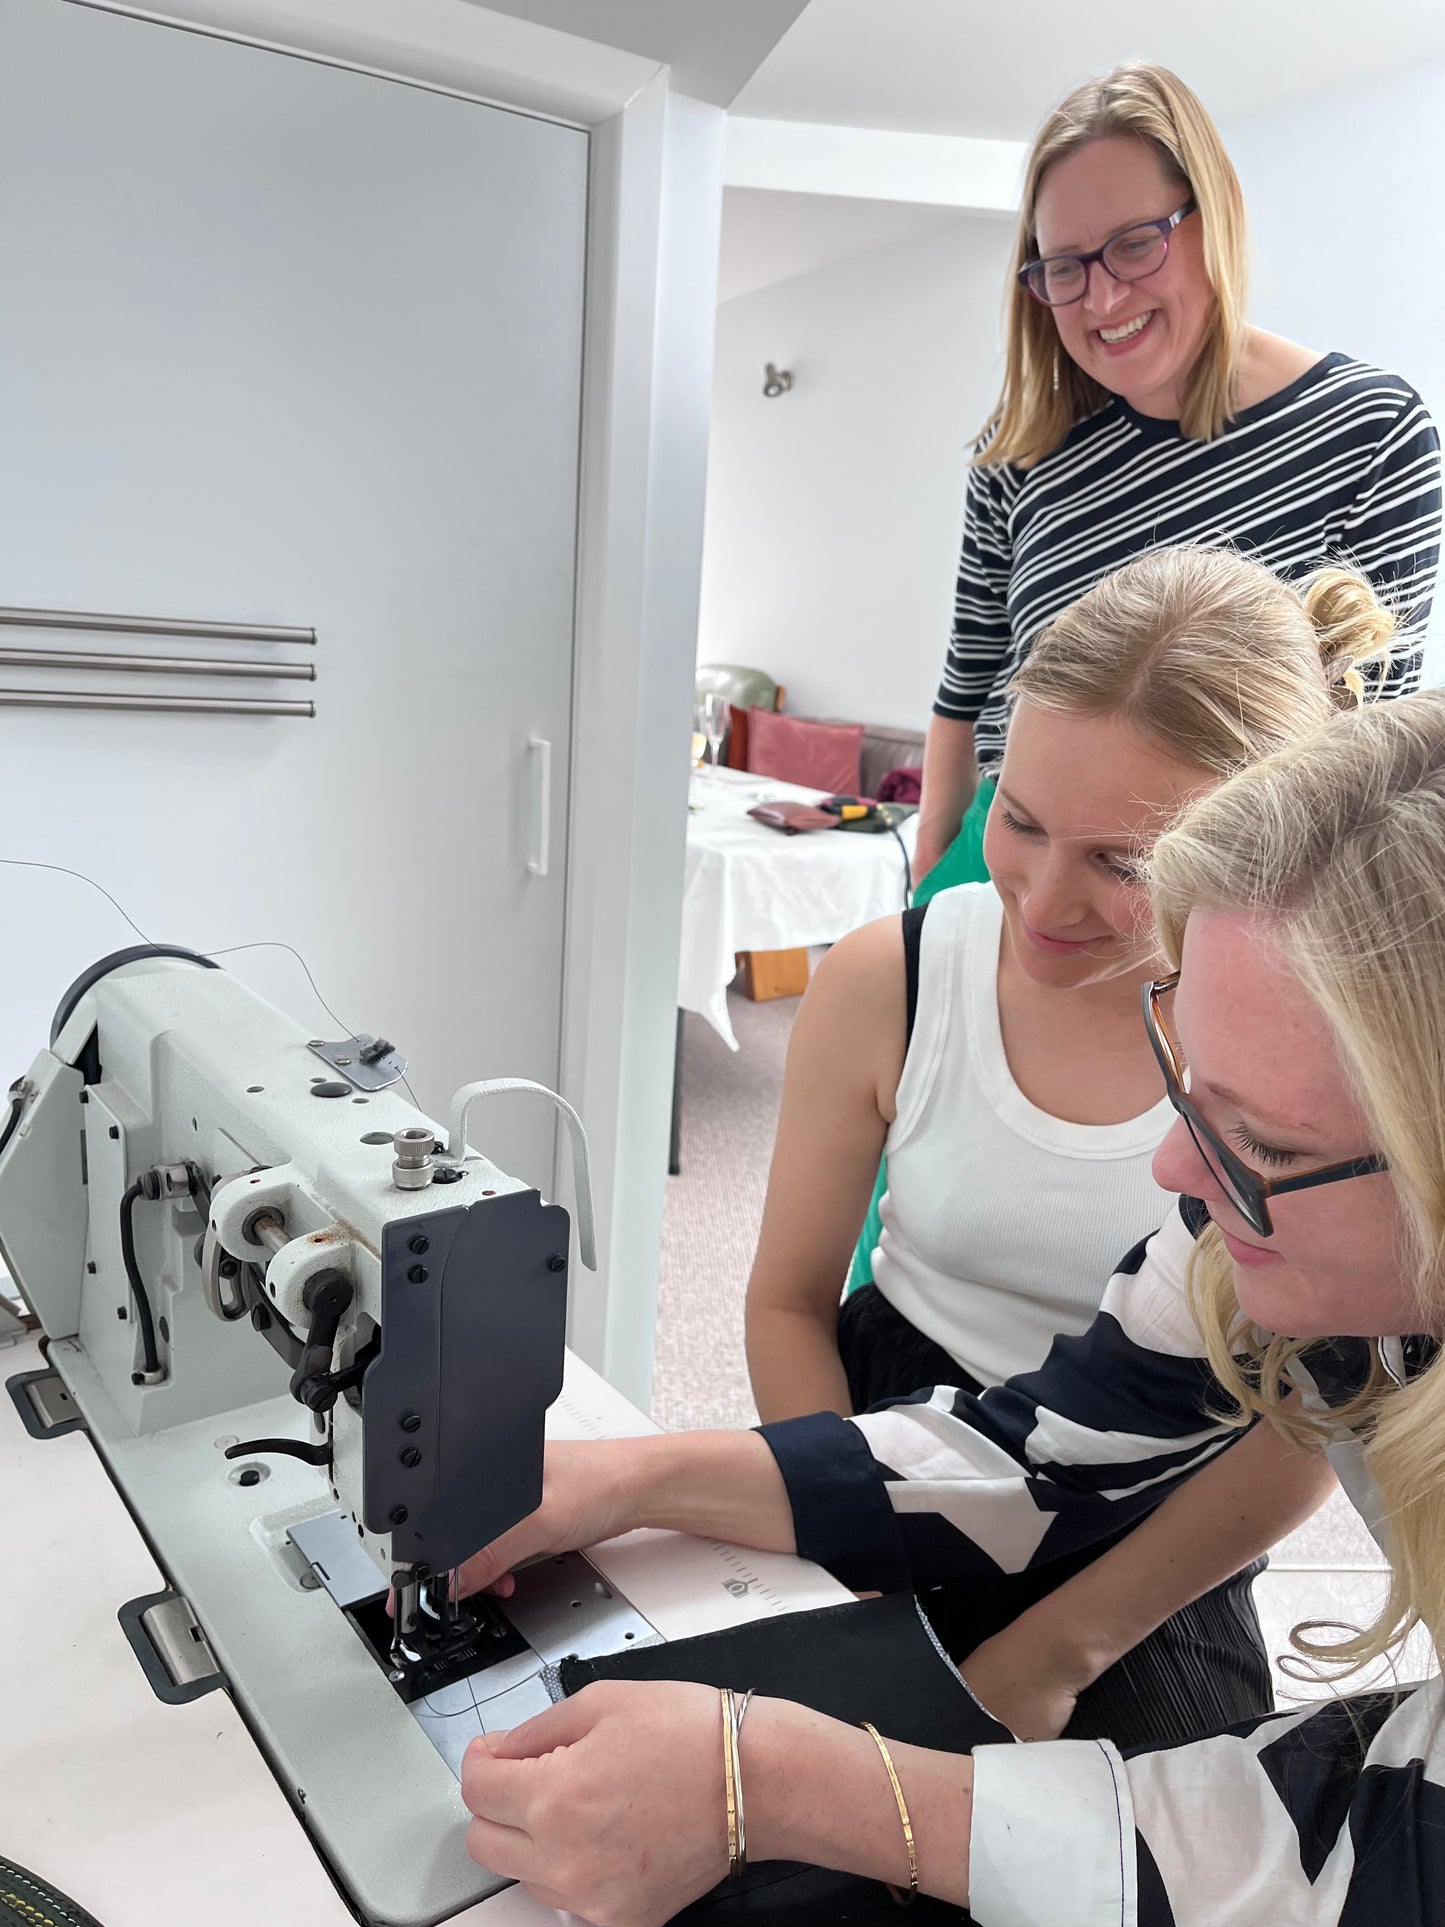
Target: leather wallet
(791, 818)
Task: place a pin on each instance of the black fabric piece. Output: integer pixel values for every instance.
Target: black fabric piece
(1203, 1669)
(780, 1893)
(1315, 1770)
(873, 1660)
(1397, 1823)
(912, 949)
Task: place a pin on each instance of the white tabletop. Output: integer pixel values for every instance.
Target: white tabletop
(165, 1816)
(753, 888)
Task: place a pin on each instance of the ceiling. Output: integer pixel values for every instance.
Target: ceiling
(974, 67)
(712, 46)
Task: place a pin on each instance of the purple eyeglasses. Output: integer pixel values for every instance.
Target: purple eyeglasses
(1131, 255)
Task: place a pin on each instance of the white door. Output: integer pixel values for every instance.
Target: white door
(285, 344)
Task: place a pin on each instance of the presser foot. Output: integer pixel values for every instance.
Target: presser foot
(432, 1654)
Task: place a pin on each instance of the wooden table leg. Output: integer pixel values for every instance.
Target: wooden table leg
(773, 973)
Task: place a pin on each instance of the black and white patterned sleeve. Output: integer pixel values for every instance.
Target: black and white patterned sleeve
(1392, 532)
(981, 634)
(944, 1485)
(1324, 1817)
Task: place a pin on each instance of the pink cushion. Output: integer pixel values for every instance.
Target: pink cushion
(820, 756)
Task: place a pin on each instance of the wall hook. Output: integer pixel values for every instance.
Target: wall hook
(776, 381)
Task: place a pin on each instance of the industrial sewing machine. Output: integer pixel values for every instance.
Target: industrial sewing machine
(314, 1346)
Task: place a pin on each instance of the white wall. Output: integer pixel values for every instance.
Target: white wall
(833, 512)
(1346, 198)
(649, 345)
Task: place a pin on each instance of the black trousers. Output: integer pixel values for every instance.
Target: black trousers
(1203, 1669)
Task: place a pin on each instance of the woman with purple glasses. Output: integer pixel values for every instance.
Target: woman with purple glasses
(1141, 410)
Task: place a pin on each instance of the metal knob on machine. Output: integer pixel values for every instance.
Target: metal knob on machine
(413, 1168)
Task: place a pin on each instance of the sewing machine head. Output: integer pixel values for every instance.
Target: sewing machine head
(225, 1170)
(285, 1307)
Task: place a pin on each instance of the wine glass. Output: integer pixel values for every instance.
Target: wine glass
(713, 716)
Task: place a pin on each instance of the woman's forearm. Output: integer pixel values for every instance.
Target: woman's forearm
(793, 1363)
(818, 1791)
(1221, 1520)
(950, 777)
(715, 1485)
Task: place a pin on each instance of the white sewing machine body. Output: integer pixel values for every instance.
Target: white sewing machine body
(437, 1316)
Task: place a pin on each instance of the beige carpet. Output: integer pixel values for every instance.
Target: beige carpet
(714, 1206)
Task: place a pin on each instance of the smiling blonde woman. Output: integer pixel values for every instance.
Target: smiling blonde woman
(1140, 408)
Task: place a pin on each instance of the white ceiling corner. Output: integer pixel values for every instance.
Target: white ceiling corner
(712, 46)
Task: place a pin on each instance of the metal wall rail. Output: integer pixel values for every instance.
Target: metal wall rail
(151, 626)
(200, 705)
(156, 665)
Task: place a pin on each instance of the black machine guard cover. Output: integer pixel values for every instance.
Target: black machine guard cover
(473, 1334)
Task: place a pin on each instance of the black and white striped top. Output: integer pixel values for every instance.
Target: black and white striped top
(1341, 466)
(1325, 1817)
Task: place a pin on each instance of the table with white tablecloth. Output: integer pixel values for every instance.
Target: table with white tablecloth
(753, 888)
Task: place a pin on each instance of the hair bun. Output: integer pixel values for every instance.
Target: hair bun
(1352, 627)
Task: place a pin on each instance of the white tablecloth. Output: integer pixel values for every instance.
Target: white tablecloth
(752, 888)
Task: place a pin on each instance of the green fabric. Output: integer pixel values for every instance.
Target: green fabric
(961, 862)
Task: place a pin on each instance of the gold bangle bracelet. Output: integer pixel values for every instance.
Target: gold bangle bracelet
(739, 1714)
(732, 1786)
(903, 1899)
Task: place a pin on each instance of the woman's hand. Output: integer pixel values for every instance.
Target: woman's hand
(1029, 1683)
(612, 1806)
(609, 1805)
(586, 1494)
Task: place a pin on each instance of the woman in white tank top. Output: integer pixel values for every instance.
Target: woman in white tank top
(989, 1282)
(1019, 1103)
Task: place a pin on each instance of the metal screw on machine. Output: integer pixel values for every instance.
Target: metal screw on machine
(412, 1169)
(410, 1421)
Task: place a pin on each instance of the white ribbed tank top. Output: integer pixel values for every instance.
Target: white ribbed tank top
(1001, 1224)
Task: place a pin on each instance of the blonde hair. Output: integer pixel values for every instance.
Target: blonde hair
(1045, 392)
(1339, 840)
(1210, 655)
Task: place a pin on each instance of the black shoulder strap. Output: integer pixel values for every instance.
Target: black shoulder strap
(912, 946)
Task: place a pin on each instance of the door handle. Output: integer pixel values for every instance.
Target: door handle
(539, 752)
